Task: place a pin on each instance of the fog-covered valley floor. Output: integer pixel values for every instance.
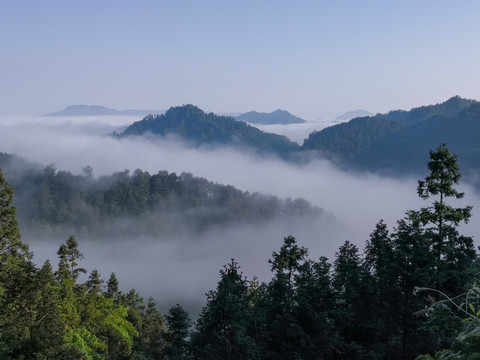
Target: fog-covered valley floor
(182, 270)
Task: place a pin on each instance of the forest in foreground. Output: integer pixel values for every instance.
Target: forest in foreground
(409, 291)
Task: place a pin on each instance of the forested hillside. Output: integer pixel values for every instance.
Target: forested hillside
(398, 298)
(348, 141)
(57, 202)
(195, 126)
(393, 143)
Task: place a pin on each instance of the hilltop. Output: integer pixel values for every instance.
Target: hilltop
(195, 126)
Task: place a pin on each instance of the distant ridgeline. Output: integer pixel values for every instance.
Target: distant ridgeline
(393, 143)
(194, 125)
(50, 201)
(276, 117)
(97, 110)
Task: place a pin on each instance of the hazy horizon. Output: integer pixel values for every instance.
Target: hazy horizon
(309, 58)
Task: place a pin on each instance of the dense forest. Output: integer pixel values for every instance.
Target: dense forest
(411, 291)
(51, 202)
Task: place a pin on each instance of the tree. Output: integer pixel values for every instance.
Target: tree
(453, 253)
(348, 289)
(17, 281)
(283, 336)
(150, 342)
(10, 243)
(380, 281)
(69, 255)
(178, 329)
(315, 310)
(444, 174)
(221, 331)
(413, 265)
(112, 287)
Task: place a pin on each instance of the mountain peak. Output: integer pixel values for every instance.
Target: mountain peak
(276, 117)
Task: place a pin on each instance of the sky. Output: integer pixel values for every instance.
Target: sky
(311, 58)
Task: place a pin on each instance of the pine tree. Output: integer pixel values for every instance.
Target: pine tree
(284, 335)
(178, 329)
(454, 254)
(221, 332)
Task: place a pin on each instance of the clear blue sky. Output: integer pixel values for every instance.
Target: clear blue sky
(307, 57)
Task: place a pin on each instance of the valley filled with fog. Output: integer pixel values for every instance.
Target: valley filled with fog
(182, 270)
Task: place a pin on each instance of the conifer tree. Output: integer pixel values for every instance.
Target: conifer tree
(453, 253)
(221, 332)
(283, 336)
(179, 323)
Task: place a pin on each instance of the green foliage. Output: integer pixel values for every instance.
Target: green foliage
(467, 345)
(10, 243)
(178, 330)
(59, 202)
(222, 330)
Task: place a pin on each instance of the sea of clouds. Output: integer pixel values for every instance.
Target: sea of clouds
(182, 270)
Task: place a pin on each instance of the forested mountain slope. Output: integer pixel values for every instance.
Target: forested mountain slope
(194, 125)
(162, 204)
(393, 143)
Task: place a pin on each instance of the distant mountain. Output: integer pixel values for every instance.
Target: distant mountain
(97, 110)
(354, 114)
(276, 117)
(194, 125)
(398, 142)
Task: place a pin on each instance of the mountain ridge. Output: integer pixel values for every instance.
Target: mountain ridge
(99, 110)
(349, 115)
(198, 127)
(282, 117)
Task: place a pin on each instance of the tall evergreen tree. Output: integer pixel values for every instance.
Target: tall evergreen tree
(178, 330)
(283, 332)
(453, 253)
(347, 284)
(221, 332)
